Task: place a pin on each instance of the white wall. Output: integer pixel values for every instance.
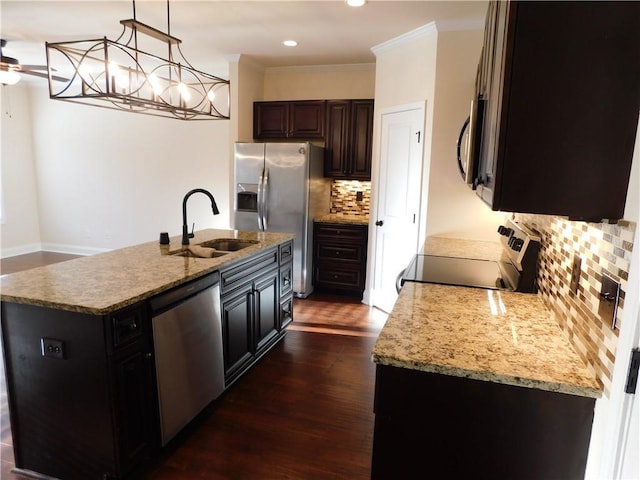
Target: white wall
(108, 179)
(20, 219)
(454, 210)
(320, 82)
(405, 74)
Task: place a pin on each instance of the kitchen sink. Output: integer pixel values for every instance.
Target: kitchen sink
(195, 254)
(228, 244)
(213, 248)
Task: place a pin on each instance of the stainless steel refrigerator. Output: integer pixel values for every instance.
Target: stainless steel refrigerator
(280, 187)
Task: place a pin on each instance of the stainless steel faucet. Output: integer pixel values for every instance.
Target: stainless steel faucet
(185, 229)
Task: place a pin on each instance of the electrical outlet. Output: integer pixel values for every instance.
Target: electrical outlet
(575, 274)
(50, 347)
(609, 299)
(359, 196)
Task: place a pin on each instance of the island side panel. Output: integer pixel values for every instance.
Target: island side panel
(60, 412)
(452, 427)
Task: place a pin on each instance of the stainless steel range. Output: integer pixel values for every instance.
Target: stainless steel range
(515, 271)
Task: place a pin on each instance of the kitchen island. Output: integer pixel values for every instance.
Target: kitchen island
(81, 355)
(477, 383)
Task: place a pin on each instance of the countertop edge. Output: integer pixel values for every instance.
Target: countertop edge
(490, 377)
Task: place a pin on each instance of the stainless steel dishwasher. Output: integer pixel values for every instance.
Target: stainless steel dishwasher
(187, 337)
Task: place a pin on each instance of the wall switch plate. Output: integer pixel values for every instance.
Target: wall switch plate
(609, 299)
(575, 274)
(50, 347)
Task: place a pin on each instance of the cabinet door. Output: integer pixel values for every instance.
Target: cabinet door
(289, 120)
(561, 142)
(134, 420)
(270, 120)
(349, 138)
(306, 119)
(236, 330)
(266, 297)
(337, 139)
(361, 139)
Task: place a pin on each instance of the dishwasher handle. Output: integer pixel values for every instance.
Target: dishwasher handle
(165, 300)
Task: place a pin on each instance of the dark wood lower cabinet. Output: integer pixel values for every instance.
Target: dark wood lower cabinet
(81, 387)
(437, 426)
(339, 257)
(86, 413)
(250, 317)
(256, 307)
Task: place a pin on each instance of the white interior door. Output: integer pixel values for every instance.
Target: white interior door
(398, 201)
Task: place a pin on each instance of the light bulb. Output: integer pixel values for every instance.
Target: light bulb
(184, 91)
(155, 84)
(211, 95)
(9, 77)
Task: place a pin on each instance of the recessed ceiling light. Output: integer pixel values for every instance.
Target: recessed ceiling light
(356, 3)
(290, 43)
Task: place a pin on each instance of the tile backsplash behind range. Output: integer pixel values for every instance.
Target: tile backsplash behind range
(603, 248)
(345, 198)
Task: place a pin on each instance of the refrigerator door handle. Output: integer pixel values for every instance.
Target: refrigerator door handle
(265, 199)
(261, 200)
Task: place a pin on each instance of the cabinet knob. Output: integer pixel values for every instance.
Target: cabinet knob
(379, 223)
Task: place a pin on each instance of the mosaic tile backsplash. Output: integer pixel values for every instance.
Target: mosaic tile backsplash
(603, 248)
(345, 198)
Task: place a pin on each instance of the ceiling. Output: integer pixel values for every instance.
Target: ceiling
(328, 32)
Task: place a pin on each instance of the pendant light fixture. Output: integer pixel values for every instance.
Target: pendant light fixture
(121, 75)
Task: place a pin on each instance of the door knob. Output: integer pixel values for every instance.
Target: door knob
(379, 223)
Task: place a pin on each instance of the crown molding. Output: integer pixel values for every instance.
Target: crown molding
(428, 29)
(324, 68)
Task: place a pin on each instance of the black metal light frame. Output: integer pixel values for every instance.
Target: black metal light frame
(118, 74)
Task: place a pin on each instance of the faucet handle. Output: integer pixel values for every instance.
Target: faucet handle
(193, 227)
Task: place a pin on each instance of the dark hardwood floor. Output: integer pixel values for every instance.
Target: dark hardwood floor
(305, 412)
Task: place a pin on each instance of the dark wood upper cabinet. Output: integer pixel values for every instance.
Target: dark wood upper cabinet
(348, 139)
(561, 87)
(289, 120)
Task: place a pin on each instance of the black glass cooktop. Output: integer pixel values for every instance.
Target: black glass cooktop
(466, 272)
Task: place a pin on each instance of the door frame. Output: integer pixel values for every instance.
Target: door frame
(375, 173)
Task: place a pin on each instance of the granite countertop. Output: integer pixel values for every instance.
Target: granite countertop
(489, 335)
(462, 248)
(103, 283)
(340, 218)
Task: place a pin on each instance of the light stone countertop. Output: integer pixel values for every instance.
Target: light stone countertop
(462, 248)
(489, 335)
(346, 219)
(103, 283)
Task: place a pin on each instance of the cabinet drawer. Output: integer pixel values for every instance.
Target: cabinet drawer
(335, 231)
(286, 312)
(339, 278)
(240, 274)
(286, 252)
(127, 326)
(341, 252)
(286, 279)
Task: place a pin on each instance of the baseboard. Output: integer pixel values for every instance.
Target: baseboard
(73, 249)
(21, 250)
(51, 247)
